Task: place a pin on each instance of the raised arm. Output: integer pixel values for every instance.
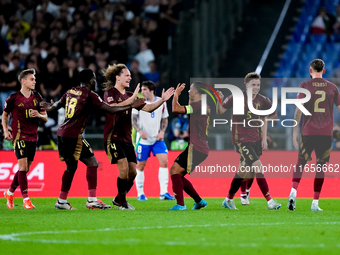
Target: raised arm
(165, 97)
(219, 108)
(119, 108)
(176, 107)
(130, 99)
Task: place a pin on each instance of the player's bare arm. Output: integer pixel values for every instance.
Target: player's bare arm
(52, 105)
(219, 108)
(119, 108)
(141, 132)
(7, 134)
(36, 114)
(164, 125)
(264, 129)
(297, 118)
(176, 107)
(165, 97)
(130, 99)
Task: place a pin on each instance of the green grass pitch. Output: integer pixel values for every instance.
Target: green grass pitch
(151, 229)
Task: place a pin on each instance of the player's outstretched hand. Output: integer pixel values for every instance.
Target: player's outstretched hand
(167, 94)
(138, 102)
(135, 93)
(179, 89)
(47, 106)
(220, 94)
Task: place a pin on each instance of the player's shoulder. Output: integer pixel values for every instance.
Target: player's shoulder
(13, 96)
(37, 94)
(263, 98)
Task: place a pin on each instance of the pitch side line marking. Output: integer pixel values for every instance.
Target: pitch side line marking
(16, 236)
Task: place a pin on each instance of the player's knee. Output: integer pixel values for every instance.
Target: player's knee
(175, 170)
(163, 163)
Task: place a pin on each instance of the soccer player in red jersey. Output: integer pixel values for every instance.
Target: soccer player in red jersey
(197, 150)
(316, 130)
(248, 141)
(26, 112)
(117, 130)
(72, 147)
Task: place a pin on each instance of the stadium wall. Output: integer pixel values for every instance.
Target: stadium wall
(46, 171)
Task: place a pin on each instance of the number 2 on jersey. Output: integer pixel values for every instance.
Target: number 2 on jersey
(70, 107)
(319, 100)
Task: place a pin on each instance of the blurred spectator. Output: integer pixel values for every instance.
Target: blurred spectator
(25, 11)
(136, 75)
(323, 23)
(179, 128)
(69, 75)
(51, 81)
(144, 56)
(153, 75)
(8, 82)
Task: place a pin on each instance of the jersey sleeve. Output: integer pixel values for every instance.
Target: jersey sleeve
(337, 97)
(268, 104)
(96, 100)
(165, 112)
(301, 95)
(40, 99)
(9, 103)
(109, 98)
(228, 102)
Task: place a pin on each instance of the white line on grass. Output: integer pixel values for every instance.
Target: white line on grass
(16, 237)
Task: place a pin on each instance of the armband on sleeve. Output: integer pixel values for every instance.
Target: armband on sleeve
(189, 109)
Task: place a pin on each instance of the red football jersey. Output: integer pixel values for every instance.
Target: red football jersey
(324, 94)
(245, 133)
(78, 102)
(118, 126)
(198, 128)
(24, 127)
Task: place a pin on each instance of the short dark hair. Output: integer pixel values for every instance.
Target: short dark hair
(251, 76)
(24, 73)
(85, 75)
(317, 65)
(151, 85)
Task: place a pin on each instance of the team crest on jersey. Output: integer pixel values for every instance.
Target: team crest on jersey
(110, 99)
(35, 102)
(21, 104)
(251, 157)
(257, 106)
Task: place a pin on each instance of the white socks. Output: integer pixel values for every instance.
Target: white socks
(163, 177)
(92, 199)
(315, 202)
(10, 193)
(293, 192)
(140, 182)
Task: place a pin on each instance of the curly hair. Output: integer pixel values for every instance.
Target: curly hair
(110, 74)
